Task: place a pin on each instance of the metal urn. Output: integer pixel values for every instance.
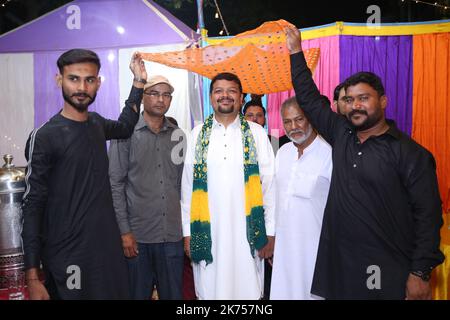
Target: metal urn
(12, 188)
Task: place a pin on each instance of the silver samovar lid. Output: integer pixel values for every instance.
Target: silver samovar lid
(12, 178)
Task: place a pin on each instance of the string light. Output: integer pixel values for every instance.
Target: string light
(5, 3)
(435, 4)
(216, 15)
(221, 32)
(221, 19)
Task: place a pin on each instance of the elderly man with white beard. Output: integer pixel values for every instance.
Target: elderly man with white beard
(303, 174)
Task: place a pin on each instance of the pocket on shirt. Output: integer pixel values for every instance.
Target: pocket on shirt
(304, 185)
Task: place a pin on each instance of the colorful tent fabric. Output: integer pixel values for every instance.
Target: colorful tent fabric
(254, 56)
(431, 101)
(98, 24)
(431, 125)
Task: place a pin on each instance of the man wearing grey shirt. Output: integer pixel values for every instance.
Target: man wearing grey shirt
(145, 172)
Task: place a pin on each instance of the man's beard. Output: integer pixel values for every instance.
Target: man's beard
(302, 139)
(370, 120)
(227, 109)
(80, 107)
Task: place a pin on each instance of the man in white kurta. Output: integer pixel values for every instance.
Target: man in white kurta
(303, 174)
(234, 272)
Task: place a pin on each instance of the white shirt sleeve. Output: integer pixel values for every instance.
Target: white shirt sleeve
(266, 161)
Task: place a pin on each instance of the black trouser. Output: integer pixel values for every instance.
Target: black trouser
(267, 279)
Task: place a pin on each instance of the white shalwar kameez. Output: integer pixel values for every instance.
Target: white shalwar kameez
(302, 190)
(234, 273)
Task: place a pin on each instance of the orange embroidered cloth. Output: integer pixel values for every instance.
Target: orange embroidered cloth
(259, 58)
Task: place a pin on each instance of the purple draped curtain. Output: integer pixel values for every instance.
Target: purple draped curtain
(389, 57)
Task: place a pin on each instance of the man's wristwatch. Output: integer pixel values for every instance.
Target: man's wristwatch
(140, 80)
(424, 275)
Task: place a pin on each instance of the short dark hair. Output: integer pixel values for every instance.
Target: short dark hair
(77, 56)
(366, 77)
(253, 103)
(225, 76)
(337, 90)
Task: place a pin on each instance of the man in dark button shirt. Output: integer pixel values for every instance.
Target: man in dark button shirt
(380, 235)
(145, 173)
(68, 215)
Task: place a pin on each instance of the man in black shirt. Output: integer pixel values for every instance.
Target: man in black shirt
(68, 217)
(380, 235)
